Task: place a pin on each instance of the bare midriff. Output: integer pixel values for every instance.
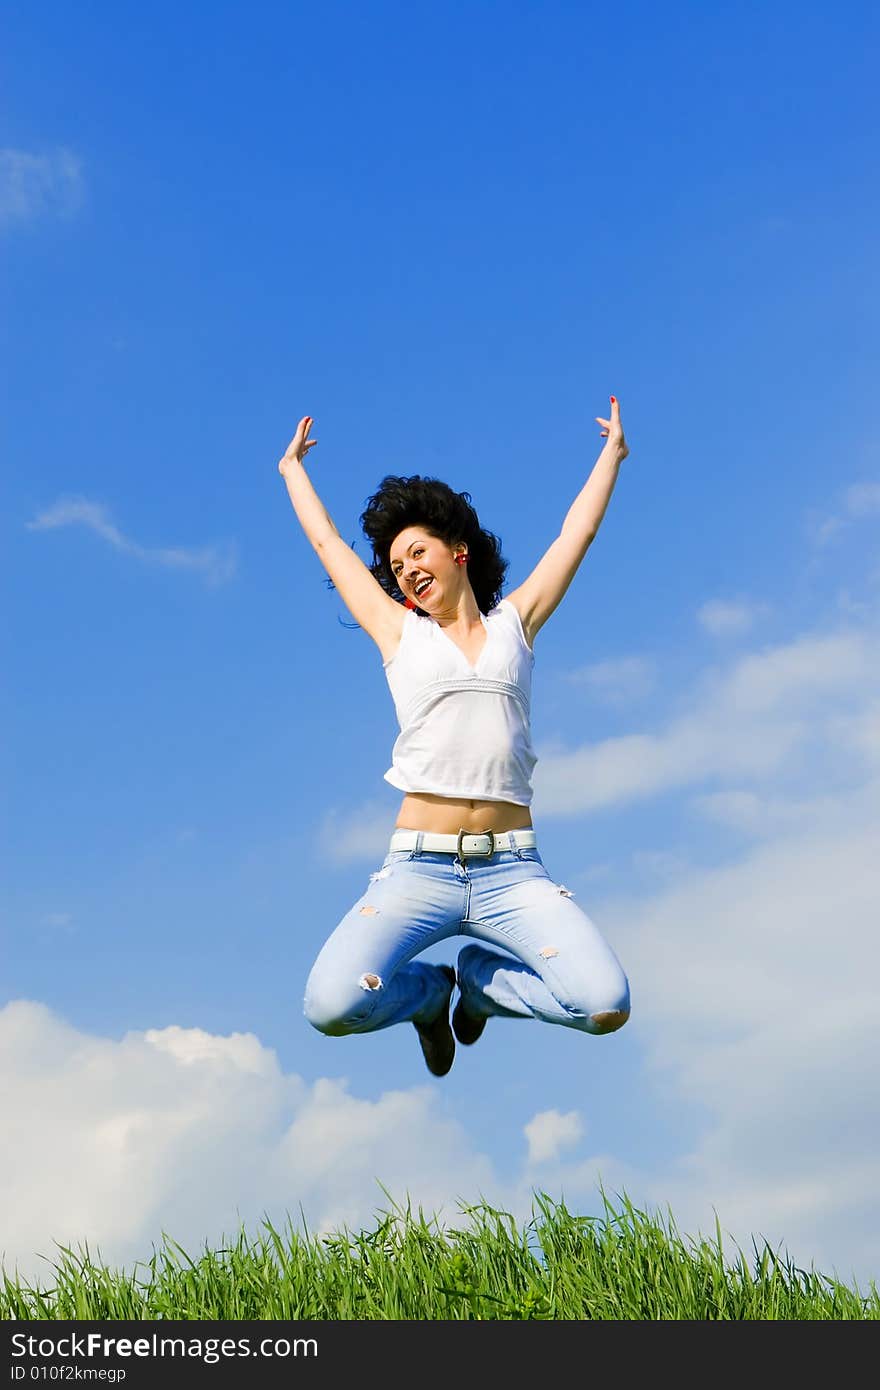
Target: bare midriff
(445, 815)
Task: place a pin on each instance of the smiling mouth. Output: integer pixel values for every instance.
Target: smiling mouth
(422, 588)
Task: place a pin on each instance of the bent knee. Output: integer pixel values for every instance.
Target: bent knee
(602, 1009)
(336, 1011)
(327, 1021)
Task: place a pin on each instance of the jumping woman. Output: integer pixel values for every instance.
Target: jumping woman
(463, 859)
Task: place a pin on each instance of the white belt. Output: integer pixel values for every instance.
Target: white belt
(479, 843)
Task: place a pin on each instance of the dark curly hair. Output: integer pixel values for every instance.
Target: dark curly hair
(448, 515)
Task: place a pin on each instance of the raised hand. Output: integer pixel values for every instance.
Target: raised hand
(299, 445)
(612, 431)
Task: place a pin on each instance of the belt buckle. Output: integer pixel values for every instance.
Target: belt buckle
(477, 853)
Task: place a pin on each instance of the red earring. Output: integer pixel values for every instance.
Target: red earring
(461, 559)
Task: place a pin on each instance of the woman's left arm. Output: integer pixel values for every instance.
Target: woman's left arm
(542, 592)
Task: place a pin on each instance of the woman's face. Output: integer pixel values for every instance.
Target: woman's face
(425, 568)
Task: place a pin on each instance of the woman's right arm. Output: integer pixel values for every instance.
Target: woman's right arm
(363, 595)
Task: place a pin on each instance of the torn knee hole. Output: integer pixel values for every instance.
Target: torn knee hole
(610, 1020)
(549, 952)
(370, 982)
(565, 892)
(369, 910)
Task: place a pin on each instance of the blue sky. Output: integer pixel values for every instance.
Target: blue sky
(448, 234)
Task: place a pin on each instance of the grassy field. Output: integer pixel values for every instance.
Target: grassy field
(624, 1264)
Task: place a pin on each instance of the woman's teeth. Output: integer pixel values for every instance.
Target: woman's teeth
(423, 588)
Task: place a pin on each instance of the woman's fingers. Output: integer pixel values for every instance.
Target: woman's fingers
(302, 433)
(613, 425)
(299, 444)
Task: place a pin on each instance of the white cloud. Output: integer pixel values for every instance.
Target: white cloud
(35, 184)
(217, 563)
(550, 1131)
(178, 1130)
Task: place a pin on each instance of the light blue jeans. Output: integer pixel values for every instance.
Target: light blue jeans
(560, 968)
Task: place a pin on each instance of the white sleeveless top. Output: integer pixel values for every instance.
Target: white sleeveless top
(464, 730)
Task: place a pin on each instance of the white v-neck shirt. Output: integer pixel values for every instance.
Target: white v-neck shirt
(464, 730)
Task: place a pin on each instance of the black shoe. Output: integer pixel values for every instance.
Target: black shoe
(438, 1044)
(466, 1026)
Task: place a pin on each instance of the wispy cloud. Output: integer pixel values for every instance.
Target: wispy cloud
(36, 185)
(57, 919)
(774, 959)
(863, 499)
(659, 864)
(619, 681)
(359, 833)
(216, 564)
(860, 500)
(763, 714)
(725, 617)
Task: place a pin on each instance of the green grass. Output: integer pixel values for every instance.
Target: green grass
(624, 1264)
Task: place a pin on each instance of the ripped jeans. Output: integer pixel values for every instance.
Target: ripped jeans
(560, 968)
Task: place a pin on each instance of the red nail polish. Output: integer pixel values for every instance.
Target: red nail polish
(612, 400)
